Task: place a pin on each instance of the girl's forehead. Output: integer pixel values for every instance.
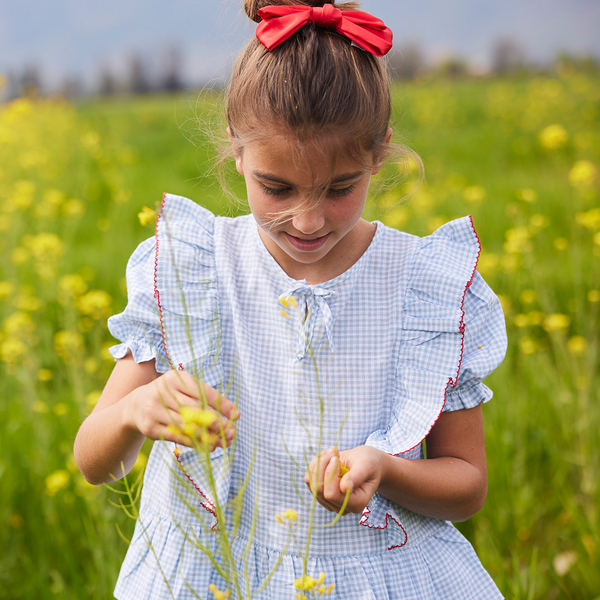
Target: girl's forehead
(317, 159)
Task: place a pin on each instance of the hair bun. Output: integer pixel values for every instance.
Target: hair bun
(253, 6)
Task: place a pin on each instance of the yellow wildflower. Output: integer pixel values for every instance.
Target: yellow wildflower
(57, 481)
(6, 289)
(19, 324)
(68, 344)
(73, 208)
(292, 302)
(44, 246)
(343, 469)
(45, 375)
(321, 578)
(589, 219)
(217, 593)
(305, 583)
(282, 312)
(474, 194)
(594, 296)
(279, 518)
(561, 243)
(582, 174)
(539, 221)
(521, 321)
(553, 136)
(517, 240)
(527, 195)
(147, 216)
(527, 345)
(72, 285)
(23, 195)
(284, 301)
(96, 304)
(557, 322)
(330, 589)
(528, 296)
(197, 416)
(60, 409)
(290, 514)
(577, 345)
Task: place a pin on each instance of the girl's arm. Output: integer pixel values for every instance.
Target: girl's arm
(451, 484)
(138, 403)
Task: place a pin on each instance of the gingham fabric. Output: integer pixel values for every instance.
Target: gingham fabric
(370, 357)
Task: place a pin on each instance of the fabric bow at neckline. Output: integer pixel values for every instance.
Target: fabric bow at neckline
(281, 22)
(314, 297)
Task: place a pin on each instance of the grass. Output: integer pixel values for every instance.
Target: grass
(487, 152)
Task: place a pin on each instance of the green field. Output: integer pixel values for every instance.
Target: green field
(521, 155)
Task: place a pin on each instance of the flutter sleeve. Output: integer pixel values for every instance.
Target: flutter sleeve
(138, 326)
(452, 335)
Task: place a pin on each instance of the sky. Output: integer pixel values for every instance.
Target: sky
(79, 37)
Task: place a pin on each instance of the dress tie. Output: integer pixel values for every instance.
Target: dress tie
(312, 310)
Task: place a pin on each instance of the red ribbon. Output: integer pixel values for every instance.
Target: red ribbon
(281, 22)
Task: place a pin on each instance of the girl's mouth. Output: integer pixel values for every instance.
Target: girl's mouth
(307, 245)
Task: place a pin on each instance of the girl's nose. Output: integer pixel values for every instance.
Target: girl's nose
(310, 221)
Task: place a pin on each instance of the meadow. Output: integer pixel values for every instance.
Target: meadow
(78, 187)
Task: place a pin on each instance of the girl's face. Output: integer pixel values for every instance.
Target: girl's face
(325, 240)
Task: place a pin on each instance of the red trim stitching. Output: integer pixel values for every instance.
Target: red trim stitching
(461, 328)
(210, 508)
(364, 523)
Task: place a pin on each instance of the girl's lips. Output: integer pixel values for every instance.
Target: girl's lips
(307, 245)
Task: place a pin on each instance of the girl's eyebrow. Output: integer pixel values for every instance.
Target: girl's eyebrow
(274, 178)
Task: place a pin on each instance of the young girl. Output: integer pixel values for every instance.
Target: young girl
(344, 344)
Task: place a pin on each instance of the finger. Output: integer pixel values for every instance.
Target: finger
(221, 404)
(331, 485)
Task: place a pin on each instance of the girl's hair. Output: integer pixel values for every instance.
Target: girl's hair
(315, 84)
(318, 91)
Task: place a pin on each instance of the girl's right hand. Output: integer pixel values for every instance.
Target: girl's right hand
(155, 411)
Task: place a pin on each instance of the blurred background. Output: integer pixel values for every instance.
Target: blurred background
(105, 106)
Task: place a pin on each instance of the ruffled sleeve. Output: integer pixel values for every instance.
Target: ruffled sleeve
(452, 336)
(138, 326)
(173, 314)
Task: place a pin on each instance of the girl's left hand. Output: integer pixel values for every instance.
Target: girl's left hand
(363, 477)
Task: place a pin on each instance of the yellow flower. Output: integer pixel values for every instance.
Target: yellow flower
(589, 219)
(582, 174)
(305, 583)
(72, 285)
(594, 296)
(527, 195)
(57, 481)
(45, 375)
(290, 514)
(557, 322)
(96, 304)
(527, 345)
(19, 324)
(6, 289)
(474, 194)
(197, 416)
(517, 240)
(577, 345)
(561, 243)
(521, 321)
(44, 246)
(147, 216)
(292, 302)
(282, 312)
(554, 136)
(217, 593)
(343, 469)
(73, 208)
(284, 301)
(68, 344)
(528, 296)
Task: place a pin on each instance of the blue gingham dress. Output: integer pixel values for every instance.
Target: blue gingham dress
(370, 357)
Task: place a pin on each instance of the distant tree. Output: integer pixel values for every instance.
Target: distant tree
(171, 79)
(507, 56)
(137, 82)
(71, 87)
(453, 67)
(108, 84)
(30, 81)
(406, 60)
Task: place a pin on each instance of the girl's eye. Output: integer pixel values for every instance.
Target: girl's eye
(273, 191)
(338, 193)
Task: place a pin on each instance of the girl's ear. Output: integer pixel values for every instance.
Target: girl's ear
(236, 153)
(386, 142)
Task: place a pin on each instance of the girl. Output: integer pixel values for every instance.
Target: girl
(345, 344)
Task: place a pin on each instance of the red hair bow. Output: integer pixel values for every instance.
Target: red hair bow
(281, 22)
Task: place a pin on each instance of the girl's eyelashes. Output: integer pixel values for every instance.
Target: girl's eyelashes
(335, 192)
(341, 192)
